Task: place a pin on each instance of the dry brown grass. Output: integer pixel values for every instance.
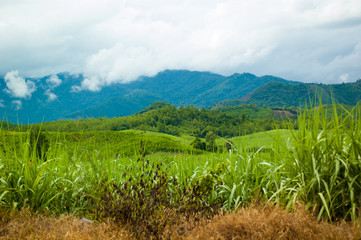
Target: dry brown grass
(272, 223)
(249, 223)
(24, 225)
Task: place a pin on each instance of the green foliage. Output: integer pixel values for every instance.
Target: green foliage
(126, 143)
(211, 141)
(276, 94)
(245, 110)
(28, 182)
(38, 143)
(8, 125)
(168, 119)
(102, 174)
(210, 137)
(326, 158)
(198, 144)
(154, 105)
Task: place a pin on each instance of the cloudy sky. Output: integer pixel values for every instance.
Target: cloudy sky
(118, 40)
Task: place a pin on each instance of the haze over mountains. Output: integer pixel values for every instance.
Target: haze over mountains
(57, 97)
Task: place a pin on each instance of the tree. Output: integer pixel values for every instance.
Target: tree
(198, 144)
(211, 141)
(210, 137)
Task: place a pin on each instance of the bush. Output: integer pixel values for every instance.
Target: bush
(153, 198)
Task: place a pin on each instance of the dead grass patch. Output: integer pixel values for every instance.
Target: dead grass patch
(24, 225)
(272, 223)
(255, 222)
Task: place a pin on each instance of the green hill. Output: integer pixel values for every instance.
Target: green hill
(274, 94)
(178, 87)
(166, 118)
(233, 87)
(254, 111)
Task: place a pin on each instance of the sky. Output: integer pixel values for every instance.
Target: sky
(112, 41)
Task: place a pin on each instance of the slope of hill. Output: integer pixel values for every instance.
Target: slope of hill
(179, 86)
(292, 94)
(63, 101)
(289, 94)
(233, 87)
(55, 98)
(166, 118)
(254, 111)
(122, 105)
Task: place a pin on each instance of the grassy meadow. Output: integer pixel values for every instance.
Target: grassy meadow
(148, 182)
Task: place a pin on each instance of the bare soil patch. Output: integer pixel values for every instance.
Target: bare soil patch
(282, 113)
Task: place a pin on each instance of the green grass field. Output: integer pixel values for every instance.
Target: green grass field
(266, 139)
(135, 176)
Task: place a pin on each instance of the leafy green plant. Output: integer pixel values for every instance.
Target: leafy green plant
(324, 163)
(38, 143)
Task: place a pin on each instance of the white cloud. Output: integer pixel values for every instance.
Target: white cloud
(93, 84)
(17, 104)
(17, 86)
(53, 81)
(2, 103)
(344, 77)
(78, 89)
(117, 41)
(51, 96)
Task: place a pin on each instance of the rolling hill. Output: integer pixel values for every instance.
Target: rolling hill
(279, 94)
(178, 87)
(274, 94)
(51, 101)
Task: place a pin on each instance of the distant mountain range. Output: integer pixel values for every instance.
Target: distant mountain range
(279, 94)
(179, 87)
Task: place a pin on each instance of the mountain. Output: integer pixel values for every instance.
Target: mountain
(274, 94)
(51, 101)
(64, 100)
(293, 94)
(179, 86)
(123, 105)
(233, 87)
(182, 87)
(56, 98)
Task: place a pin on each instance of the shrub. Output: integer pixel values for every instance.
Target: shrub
(153, 198)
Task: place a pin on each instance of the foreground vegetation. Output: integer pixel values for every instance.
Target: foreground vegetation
(135, 177)
(255, 222)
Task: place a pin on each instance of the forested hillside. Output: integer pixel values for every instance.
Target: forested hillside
(274, 94)
(180, 87)
(60, 96)
(166, 118)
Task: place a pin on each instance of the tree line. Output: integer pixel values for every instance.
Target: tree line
(166, 118)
